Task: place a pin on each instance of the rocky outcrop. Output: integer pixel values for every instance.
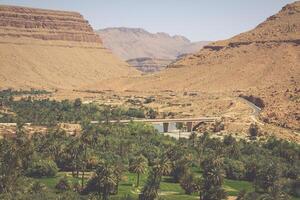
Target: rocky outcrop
(53, 49)
(45, 24)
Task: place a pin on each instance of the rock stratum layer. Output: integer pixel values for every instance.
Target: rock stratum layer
(52, 49)
(45, 24)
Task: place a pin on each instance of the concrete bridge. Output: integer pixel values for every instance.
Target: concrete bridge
(191, 123)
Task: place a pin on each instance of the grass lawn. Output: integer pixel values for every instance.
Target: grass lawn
(168, 190)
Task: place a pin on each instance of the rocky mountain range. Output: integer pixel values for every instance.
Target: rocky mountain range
(264, 62)
(147, 51)
(59, 50)
(52, 49)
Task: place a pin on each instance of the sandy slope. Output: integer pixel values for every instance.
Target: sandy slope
(52, 49)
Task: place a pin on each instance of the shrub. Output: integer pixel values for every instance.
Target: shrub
(218, 126)
(253, 131)
(63, 184)
(42, 168)
(134, 112)
(151, 113)
(149, 100)
(293, 187)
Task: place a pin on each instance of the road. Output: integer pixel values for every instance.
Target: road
(256, 110)
(199, 119)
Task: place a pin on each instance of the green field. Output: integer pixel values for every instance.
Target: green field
(168, 190)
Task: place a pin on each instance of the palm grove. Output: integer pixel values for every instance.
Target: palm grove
(99, 156)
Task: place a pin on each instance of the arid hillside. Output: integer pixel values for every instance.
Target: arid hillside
(264, 61)
(52, 49)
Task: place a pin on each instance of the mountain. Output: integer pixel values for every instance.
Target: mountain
(146, 64)
(52, 49)
(136, 43)
(264, 62)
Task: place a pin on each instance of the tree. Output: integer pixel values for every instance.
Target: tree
(77, 103)
(267, 175)
(16, 154)
(138, 166)
(213, 177)
(161, 167)
(189, 183)
(151, 113)
(253, 131)
(150, 190)
(180, 127)
(105, 180)
(42, 168)
(234, 169)
(193, 138)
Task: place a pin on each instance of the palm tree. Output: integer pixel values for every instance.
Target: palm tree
(107, 180)
(150, 190)
(162, 167)
(213, 177)
(180, 127)
(138, 166)
(193, 138)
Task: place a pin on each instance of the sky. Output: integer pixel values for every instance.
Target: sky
(198, 20)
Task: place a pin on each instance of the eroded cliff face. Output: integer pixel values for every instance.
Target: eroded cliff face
(52, 49)
(45, 24)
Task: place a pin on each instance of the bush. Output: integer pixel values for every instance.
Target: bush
(234, 169)
(218, 126)
(134, 112)
(42, 168)
(151, 113)
(63, 184)
(189, 184)
(149, 100)
(293, 187)
(253, 131)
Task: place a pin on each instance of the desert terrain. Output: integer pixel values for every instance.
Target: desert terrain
(73, 63)
(122, 113)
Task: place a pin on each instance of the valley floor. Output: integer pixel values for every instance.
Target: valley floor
(237, 114)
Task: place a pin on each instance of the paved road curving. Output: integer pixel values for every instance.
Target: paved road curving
(256, 110)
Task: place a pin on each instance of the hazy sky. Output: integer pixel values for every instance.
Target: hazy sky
(195, 19)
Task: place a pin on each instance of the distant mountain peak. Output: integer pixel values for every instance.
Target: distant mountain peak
(130, 43)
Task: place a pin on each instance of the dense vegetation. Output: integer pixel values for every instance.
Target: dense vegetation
(50, 112)
(133, 161)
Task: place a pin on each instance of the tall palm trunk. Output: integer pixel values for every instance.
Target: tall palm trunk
(83, 168)
(82, 179)
(138, 180)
